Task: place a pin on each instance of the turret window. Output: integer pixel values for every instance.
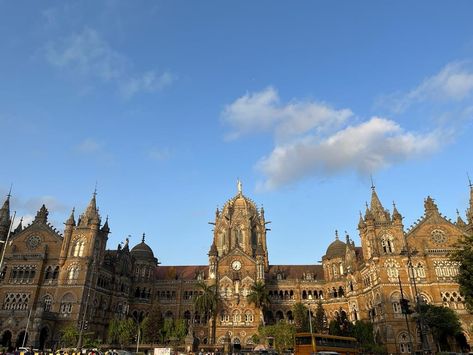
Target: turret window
(387, 244)
(78, 248)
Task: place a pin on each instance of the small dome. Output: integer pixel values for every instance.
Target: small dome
(142, 251)
(336, 249)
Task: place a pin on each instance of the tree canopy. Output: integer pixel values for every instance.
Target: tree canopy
(464, 256)
(259, 296)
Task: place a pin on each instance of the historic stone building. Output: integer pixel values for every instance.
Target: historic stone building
(49, 280)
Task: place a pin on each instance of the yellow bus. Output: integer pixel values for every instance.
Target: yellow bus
(305, 344)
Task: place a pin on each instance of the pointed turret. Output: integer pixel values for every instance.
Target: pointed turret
(430, 207)
(376, 208)
(106, 228)
(42, 215)
(469, 211)
(460, 222)
(5, 213)
(71, 220)
(91, 214)
(213, 250)
(361, 222)
(19, 227)
(396, 215)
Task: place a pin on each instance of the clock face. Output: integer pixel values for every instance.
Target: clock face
(236, 265)
(33, 242)
(438, 236)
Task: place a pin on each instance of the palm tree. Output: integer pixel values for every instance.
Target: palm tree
(259, 297)
(207, 302)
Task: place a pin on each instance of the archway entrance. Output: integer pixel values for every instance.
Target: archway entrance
(43, 337)
(6, 339)
(20, 339)
(236, 344)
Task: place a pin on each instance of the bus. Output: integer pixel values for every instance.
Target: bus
(307, 344)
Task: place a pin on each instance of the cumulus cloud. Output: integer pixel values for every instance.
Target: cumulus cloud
(365, 148)
(89, 56)
(453, 83)
(263, 111)
(315, 139)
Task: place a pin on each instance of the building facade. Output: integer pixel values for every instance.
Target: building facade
(49, 280)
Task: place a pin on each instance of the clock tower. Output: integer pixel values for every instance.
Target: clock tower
(238, 258)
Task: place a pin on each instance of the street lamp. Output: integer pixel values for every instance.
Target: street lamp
(310, 325)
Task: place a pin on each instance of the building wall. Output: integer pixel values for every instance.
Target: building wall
(50, 280)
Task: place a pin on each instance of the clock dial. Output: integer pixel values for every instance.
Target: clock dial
(236, 265)
(33, 242)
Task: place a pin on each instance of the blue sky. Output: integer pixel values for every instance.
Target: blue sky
(166, 103)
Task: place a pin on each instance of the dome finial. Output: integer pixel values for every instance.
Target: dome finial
(239, 186)
(372, 182)
(336, 234)
(143, 238)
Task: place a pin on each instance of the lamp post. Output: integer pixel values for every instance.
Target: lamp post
(310, 325)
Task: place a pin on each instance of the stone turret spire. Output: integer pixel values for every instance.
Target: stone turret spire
(460, 222)
(376, 208)
(71, 220)
(396, 215)
(91, 214)
(469, 211)
(106, 228)
(430, 207)
(42, 215)
(5, 212)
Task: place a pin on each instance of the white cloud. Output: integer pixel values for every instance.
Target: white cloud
(262, 111)
(148, 82)
(88, 55)
(453, 83)
(365, 148)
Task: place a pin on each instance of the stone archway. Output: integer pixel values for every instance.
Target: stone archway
(43, 337)
(21, 339)
(6, 339)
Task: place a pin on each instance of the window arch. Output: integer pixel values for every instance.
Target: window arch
(395, 302)
(67, 303)
(78, 247)
(404, 343)
(47, 303)
(392, 269)
(387, 244)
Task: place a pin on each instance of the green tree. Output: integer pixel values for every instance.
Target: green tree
(301, 319)
(69, 335)
(259, 296)
(320, 323)
(464, 256)
(152, 325)
(364, 333)
(341, 325)
(207, 303)
(282, 333)
(443, 322)
(113, 331)
(127, 330)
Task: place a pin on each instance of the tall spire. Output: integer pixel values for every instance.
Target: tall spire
(71, 220)
(91, 214)
(469, 211)
(376, 208)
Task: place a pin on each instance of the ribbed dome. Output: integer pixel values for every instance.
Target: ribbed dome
(142, 251)
(336, 249)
